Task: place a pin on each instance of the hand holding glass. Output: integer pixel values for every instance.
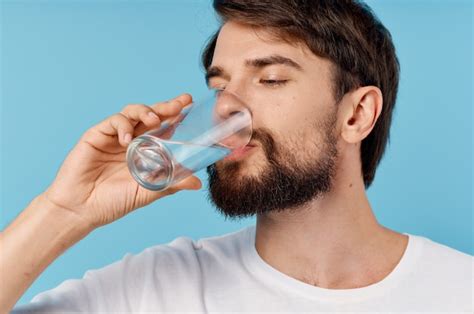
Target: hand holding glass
(203, 133)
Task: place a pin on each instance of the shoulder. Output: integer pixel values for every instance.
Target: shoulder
(186, 253)
(440, 255)
(442, 265)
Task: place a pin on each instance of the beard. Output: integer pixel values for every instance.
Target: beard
(290, 178)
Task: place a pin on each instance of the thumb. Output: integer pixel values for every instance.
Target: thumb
(146, 197)
(189, 183)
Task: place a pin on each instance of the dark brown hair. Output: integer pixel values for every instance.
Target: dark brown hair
(347, 33)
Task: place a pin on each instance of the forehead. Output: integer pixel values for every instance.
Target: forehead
(237, 42)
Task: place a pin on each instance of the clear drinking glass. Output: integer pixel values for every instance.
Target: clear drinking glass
(203, 133)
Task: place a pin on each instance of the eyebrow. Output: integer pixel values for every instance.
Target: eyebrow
(216, 71)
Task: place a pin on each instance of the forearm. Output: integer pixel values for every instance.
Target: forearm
(30, 243)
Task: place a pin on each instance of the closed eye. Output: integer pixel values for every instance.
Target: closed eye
(273, 82)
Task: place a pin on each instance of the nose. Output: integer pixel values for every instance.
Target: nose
(227, 105)
(233, 120)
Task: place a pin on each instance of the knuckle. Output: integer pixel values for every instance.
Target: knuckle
(120, 120)
(118, 117)
(140, 108)
(131, 107)
(126, 108)
(88, 133)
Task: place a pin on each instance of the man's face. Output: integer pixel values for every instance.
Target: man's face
(289, 92)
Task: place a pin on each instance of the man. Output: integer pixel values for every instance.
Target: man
(320, 78)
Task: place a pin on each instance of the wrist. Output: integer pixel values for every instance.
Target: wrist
(73, 226)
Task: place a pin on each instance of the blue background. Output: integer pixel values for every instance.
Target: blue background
(66, 65)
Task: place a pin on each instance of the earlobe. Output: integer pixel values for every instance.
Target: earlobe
(362, 110)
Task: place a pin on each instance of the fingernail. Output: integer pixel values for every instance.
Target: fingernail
(127, 138)
(186, 110)
(165, 124)
(153, 115)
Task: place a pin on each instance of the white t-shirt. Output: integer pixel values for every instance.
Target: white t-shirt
(226, 274)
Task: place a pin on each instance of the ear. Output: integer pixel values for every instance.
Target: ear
(360, 111)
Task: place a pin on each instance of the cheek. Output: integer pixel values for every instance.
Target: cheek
(285, 116)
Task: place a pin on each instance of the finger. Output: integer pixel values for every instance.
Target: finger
(169, 113)
(173, 106)
(114, 126)
(141, 113)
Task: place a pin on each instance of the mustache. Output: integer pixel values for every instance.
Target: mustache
(265, 138)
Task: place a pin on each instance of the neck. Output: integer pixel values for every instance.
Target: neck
(333, 242)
